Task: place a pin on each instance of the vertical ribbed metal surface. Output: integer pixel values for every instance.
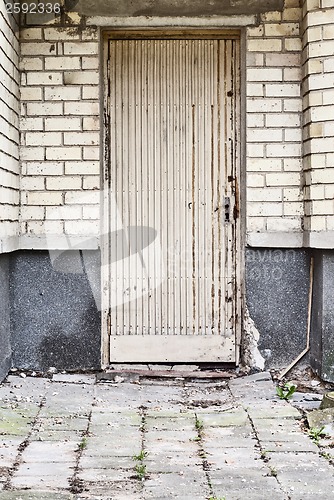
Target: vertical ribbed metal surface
(171, 118)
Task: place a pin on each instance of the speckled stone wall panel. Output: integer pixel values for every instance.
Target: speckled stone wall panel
(55, 319)
(5, 349)
(322, 345)
(277, 288)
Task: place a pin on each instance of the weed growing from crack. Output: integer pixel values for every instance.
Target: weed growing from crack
(140, 471)
(316, 433)
(199, 424)
(141, 455)
(286, 391)
(83, 444)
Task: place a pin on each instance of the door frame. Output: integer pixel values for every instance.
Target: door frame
(107, 34)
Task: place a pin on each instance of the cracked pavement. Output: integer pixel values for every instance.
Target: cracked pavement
(75, 438)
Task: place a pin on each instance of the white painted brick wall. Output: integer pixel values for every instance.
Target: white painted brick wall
(9, 130)
(274, 106)
(318, 100)
(60, 130)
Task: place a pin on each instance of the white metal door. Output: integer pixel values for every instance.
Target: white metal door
(172, 107)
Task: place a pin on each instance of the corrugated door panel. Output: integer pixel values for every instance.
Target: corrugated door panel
(171, 119)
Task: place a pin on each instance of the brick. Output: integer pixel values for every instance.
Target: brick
(45, 198)
(65, 182)
(282, 89)
(255, 90)
(69, 212)
(322, 207)
(62, 93)
(320, 49)
(82, 108)
(91, 153)
(292, 135)
(271, 16)
(31, 124)
(82, 168)
(292, 164)
(292, 194)
(328, 31)
(255, 150)
(44, 78)
(264, 135)
(255, 180)
(264, 75)
(294, 208)
(31, 153)
(60, 34)
(81, 77)
(33, 213)
(91, 92)
(31, 34)
(283, 179)
(281, 29)
(91, 123)
(283, 120)
(81, 138)
(292, 74)
(45, 227)
(283, 224)
(292, 14)
(255, 223)
(328, 65)
(91, 212)
(58, 63)
(264, 209)
(90, 63)
(82, 227)
(45, 168)
(87, 198)
(37, 48)
(283, 150)
(293, 44)
(45, 108)
(91, 182)
(283, 60)
(264, 164)
(264, 45)
(63, 123)
(265, 105)
(43, 138)
(80, 48)
(31, 64)
(319, 18)
(291, 105)
(255, 120)
(63, 153)
(264, 195)
(31, 94)
(32, 183)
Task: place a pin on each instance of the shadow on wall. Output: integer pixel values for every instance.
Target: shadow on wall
(54, 317)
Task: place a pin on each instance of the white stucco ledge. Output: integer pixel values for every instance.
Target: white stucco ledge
(169, 22)
(275, 240)
(9, 244)
(58, 242)
(319, 239)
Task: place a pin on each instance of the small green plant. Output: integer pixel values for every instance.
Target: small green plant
(216, 498)
(140, 471)
(199, 424)
(83, 443)
(316, 433)
(286, 392)
(140, 457)
(326, 455)
(273, 471)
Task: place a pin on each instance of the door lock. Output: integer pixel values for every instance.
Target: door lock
(227, 206)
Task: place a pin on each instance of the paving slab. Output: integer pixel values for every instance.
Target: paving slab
(201, 438)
